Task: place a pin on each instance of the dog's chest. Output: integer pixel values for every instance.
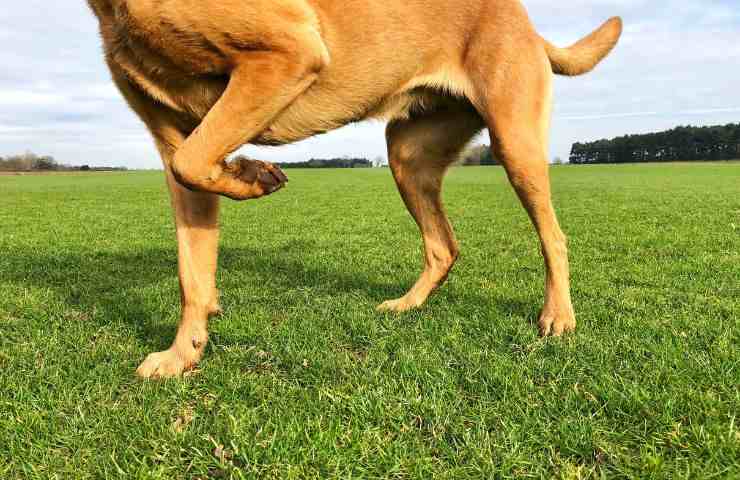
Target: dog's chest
(152, 28)
(168, 64)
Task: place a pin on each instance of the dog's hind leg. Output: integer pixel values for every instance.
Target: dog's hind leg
(420, 150)
(515, 88)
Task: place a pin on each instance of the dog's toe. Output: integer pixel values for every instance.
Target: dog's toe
(556, 324)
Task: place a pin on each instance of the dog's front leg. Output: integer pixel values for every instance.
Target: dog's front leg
(262, 84)
(196, 221)
(196, 218)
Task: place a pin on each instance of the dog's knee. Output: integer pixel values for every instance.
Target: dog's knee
(190, 174)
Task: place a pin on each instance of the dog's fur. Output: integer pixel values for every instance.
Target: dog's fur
(208, 76)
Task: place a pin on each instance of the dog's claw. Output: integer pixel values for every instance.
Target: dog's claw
(277, 173)
(258, 178)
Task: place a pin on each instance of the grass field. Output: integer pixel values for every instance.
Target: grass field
(303, 379)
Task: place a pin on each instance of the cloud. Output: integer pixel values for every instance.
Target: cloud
(677, 64)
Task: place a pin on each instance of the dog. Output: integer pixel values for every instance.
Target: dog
(208, 76)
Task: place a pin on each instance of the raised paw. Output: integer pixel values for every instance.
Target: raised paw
(167, 364)
(556, 322)
(255, 178)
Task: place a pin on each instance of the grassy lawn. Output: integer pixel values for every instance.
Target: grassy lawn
(303, 379)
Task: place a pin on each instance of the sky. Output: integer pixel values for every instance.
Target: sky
(678, 63)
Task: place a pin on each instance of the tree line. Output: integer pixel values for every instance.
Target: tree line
(679, 144)
(30, 162)
(472, 156)
(343, 162)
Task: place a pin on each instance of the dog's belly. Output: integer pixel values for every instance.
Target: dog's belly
(316, 113)
(339, 97)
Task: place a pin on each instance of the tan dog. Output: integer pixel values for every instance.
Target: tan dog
(208, 76)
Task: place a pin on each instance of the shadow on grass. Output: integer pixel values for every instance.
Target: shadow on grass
(116, 284)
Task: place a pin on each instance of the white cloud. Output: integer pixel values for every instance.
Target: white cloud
(677, 64)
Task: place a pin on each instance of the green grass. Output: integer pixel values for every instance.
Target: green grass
(302, 379)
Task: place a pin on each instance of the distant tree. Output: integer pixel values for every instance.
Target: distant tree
(45, 164)
(379, 162)
(679, 144)
(26, 162)
(478, 155)
(558, 161)
(29, 162)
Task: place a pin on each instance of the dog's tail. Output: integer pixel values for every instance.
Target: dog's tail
(583, 56)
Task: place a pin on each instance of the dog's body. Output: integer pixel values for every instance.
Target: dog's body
(208, 76)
